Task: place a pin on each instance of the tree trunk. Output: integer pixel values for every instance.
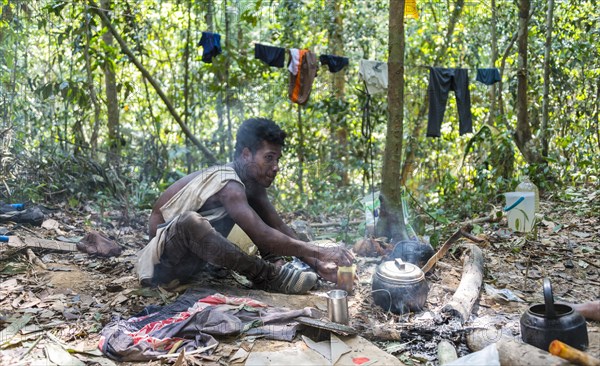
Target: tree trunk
(339, 127)
(493, 89)
(523, 131)
(300, 152)
(548, 49)
(597, 115)
(209, 156)
(186, 85)
(91, 89)
(523, 136)
(391, 222)
(227, 60)
(413, 145)
(505, 55)
(112, 101)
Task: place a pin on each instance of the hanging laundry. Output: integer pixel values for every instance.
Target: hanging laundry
(335, 63)
(375, 75)
(410, 9)
(441, 81)
(211, 43)
(303, 69)
(294, 63)
(488, 76)
(272, 56)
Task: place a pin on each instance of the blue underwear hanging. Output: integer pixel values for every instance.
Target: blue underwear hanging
(211, 42)
(488, 76)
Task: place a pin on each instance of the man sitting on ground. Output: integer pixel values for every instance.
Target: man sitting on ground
(190, 220)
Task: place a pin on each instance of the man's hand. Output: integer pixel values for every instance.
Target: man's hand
(328, 259)
(327, 270)
(336, 254)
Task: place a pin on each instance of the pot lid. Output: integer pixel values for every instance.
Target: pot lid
(399, 271)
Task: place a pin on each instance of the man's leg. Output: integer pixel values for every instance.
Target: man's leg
(193, 234)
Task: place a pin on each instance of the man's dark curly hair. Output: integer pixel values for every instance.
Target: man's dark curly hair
(254, 131)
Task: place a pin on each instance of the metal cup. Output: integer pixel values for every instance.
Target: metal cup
(337, 306)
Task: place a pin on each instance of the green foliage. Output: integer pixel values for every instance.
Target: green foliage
(49, 114)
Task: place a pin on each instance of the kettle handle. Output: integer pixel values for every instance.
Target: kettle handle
(399, 264)
(549, 299)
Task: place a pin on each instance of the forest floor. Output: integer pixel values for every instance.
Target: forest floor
(54, 315)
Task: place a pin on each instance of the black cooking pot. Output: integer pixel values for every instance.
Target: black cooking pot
(399, 287)
(543, 323)
(412, 251)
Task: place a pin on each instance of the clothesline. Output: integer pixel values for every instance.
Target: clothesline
(275, 55)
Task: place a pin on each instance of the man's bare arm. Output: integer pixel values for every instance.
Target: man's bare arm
(234, 200)
(156, 217)
(259, 201)
(233, 197)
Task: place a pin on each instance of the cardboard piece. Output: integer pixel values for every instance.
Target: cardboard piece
(268, 352)
(332, 349)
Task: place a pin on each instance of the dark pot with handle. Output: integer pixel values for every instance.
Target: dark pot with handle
(412, 251)
(399, 287)
(543, 323)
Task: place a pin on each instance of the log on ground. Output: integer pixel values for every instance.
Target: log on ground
(467, 293)
(512, 351)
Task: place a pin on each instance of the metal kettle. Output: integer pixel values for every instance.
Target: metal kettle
(399, 287)
(543, 323)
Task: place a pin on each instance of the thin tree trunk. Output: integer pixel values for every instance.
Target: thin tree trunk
(221, 78)
(392, 221)
(208, 155)
(493, 58)
(545, 101)
(339, 127)
(186, 83)
(598, 112)
(523, 135)
(501, 83)
(413, 144)
(523, 131)
(112, 101)
(91, 89)
(226, 43)
(300, 152)
(505, 55)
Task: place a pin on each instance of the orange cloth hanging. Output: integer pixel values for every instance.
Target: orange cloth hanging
(302, 76)
(296, 89)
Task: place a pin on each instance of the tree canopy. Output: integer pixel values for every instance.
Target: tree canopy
(111, 101)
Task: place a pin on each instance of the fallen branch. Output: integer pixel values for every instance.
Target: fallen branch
(31, 242)
(464, 231)
(466, 294)
(511, 351)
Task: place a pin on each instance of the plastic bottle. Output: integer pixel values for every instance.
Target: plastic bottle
(527, 185)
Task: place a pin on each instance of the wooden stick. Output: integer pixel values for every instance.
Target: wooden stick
(198, 350)
(464, 231)
(33, 259)
(31, 242)
(560, 349)
(442, 251)
(511, 351)
(466, 294)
